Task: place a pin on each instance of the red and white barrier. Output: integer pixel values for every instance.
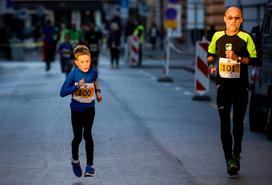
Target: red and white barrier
(202, 81)
(134, 50)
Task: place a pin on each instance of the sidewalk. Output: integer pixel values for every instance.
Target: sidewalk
(183, 60)
(158, 53)
(151, 58)
(26, 55)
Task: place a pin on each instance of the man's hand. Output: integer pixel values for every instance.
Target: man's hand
(231, 55)
(212, 70)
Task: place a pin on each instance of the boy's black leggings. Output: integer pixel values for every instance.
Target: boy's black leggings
(83, 122)
(236, 98)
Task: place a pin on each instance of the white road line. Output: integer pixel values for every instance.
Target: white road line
(187, 93)
(167, 84)
(178, 88)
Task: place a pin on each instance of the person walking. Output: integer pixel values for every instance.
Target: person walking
(82, 84)
(76, 34)
(93, 38)
(66, 55)
(63, 32)
(114, 42)
(49, 44)
(139, 31)
(153, 33)
(234, 49)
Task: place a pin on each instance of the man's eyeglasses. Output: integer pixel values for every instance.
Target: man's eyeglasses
(235, 18)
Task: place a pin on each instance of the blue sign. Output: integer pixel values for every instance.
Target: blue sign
(173, 1)
(171, 13)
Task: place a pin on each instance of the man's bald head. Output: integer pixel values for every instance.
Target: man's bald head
(233, 9)
(233, 19)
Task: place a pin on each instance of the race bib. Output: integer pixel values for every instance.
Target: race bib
(229, 68)
(85, 94)
(66, 53)
(93, 47)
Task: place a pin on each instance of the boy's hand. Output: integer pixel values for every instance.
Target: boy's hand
(81, 83)
(98, 96)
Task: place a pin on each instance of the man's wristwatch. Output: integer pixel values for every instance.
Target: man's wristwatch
(239, 59)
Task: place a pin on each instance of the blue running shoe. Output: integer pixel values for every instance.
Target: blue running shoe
(76, 168)
(89, 171)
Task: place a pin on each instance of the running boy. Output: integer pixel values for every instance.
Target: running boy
(82, 84)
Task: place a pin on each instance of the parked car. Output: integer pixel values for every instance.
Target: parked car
(260, 106)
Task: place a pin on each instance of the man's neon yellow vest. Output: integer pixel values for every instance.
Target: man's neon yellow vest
(136, 31)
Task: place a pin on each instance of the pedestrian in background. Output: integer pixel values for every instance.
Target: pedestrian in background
(82, 84)
(93, 38)
(139, 31)
(63, 32)
(49, 43)
(114, 42)
(76, 34)
(162, 35)
(235, 50)
(66, 54)
(153, 33)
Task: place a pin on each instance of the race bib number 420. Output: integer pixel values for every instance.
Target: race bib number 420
(85, 94)
(229, 68)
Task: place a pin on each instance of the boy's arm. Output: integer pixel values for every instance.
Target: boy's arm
(97, 91)
(68, 87)
(96, 86)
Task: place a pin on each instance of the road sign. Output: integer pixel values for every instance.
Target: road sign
(172, 20)
(171, 14)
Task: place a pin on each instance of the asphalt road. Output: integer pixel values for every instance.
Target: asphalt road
(145, 132)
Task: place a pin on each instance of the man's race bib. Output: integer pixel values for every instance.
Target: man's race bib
(85, 94)
(229, 68)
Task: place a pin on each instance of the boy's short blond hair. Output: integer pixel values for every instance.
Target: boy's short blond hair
(81, 50)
